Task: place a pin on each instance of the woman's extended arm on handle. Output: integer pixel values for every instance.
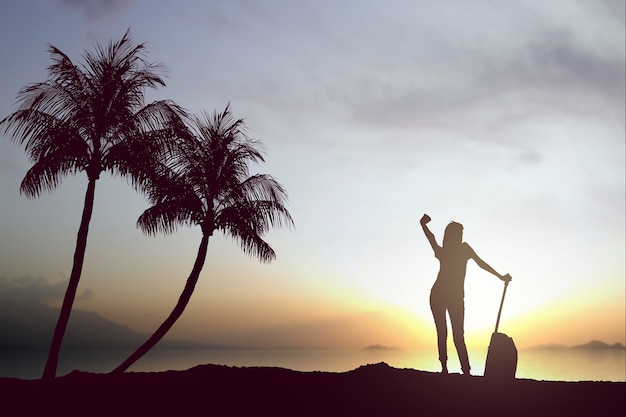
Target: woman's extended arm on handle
(484, 265)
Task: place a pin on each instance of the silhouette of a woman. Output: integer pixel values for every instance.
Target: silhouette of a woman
(447, 293)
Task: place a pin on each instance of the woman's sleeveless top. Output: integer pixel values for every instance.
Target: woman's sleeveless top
(452, 267)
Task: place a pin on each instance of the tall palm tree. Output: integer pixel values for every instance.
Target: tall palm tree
(91, 118)
(208, 184)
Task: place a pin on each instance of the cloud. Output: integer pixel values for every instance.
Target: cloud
(97, 9)
(518, 60)
(557, 62)
(555, 69)
(214, 20)
(29, 288)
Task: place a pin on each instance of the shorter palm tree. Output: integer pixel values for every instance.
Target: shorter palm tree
(208, 184)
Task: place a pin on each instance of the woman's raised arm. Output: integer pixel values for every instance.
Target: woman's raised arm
(429, 235)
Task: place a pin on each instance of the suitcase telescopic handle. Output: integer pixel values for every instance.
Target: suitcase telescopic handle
(506, 284)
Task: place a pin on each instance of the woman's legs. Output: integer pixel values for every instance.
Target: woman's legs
(438, 309)
(456, 311)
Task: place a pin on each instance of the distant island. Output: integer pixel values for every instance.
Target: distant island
(593, 345)
(379, 347)
(596, 344)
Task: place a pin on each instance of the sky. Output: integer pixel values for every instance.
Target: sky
(506, 116)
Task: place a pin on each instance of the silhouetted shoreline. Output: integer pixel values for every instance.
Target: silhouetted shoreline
(376, 389)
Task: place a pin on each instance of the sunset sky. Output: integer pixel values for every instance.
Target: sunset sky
(506, 116)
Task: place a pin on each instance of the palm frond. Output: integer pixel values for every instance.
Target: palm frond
(254, 246)
(258, 215)
(152, 136)
(167, 215)
(249, 238)
(46, 173)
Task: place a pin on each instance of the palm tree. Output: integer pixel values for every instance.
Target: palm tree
(208, 185)
(91, 118)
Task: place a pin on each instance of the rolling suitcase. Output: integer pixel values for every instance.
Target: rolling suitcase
(502, 354)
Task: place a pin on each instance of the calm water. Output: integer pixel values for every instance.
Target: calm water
(556, 365)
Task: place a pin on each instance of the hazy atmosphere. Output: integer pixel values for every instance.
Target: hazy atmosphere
(506, 116)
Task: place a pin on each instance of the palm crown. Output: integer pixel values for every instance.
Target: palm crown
(207, 183)
(92, 117)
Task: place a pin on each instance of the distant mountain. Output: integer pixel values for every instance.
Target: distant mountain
(30, 324)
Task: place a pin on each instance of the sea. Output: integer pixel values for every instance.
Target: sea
(537, 364)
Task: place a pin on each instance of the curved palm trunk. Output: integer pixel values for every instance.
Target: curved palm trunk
(183, 300)
(68, 300)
